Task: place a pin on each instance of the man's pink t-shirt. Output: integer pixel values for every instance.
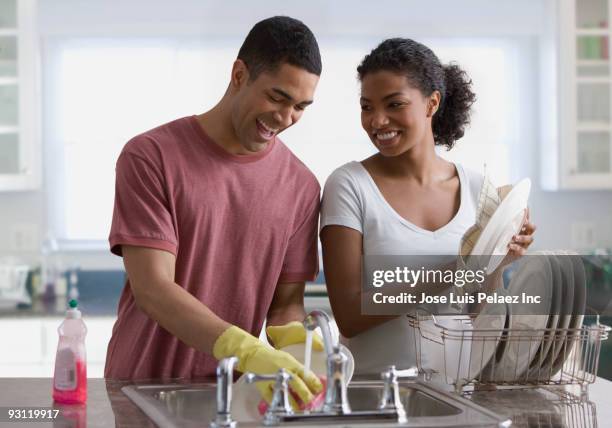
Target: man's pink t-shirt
(238, 225)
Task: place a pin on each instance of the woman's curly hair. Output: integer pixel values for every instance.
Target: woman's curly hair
(424, 70)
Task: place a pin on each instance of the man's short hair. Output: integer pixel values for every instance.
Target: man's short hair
(278, 40)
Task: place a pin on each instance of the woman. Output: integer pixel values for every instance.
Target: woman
(404, 199)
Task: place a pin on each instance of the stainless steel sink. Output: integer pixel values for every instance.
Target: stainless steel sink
(195, 406)
(416, 402)
(189, 404)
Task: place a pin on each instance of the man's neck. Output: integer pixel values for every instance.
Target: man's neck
(217, 123)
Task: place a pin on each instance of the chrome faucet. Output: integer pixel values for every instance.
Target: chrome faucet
(279, 407)
(336, 401)
(225, 378)
(390, 399)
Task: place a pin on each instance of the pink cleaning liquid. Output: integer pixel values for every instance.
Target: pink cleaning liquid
(76, 395)
(70, 375)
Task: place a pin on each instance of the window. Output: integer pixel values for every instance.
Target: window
(493, 67)
(101, 92)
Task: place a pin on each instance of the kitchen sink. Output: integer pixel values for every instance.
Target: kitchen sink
(416, 402)
(195, 406)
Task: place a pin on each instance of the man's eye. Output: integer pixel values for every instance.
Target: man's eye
(395, 105)
(300, 108)
(365, 107)
(274, 100)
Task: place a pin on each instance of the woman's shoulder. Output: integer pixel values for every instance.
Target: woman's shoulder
(470, 173)
(343, 201)
(474, 178)
(349, 174)
(348, 169)
(348, 182)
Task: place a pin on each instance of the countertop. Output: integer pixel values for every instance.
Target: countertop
(107, 406)
(106, 305)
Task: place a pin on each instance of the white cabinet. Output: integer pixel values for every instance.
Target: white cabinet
(29, 345)
(19, 97)
(576, 85)
(21, 342)
(99, 331)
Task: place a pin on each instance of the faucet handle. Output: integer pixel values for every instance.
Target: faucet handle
(392, 374)
(336, 398)
(390, 399)
(225, 378)
(280, 405)
(252, 377)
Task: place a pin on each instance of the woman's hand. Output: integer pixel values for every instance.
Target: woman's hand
(518, 247)
(521, 242)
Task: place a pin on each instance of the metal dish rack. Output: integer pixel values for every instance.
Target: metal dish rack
(560, 408)
(578, 349)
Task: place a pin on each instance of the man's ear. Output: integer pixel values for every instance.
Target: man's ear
(240, 74)
(433, 104)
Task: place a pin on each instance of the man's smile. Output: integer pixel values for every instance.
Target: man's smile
(266, 131)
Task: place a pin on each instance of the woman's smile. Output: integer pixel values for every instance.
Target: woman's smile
(387, 138)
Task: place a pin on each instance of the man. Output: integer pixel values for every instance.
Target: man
(216, 221)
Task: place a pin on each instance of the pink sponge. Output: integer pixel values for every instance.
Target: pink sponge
(316, 402)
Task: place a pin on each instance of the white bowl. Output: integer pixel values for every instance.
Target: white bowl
(246, 397)
(318, 359)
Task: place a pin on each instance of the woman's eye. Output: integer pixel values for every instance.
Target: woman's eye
(395, 105)
(274, 100)
(365, 107)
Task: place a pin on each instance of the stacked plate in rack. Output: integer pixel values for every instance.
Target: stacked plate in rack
(514, 343)
(535, 344)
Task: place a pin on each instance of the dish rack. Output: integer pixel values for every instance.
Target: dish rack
(578, 349)
(555, 408)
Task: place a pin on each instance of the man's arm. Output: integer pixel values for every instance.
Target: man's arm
(285, 317)
(287, 304)
(151, 276)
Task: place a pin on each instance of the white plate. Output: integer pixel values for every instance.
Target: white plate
(533, 276)
(505, 222)
(246, 397)
(449, 355)
(542, 362)
(579, 290)
(318, 359)
(577, 317)
(489, 372)
(488, 328)
(561, 350)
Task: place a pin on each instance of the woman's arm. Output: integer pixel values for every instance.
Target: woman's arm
(342, 254)
(342, 266)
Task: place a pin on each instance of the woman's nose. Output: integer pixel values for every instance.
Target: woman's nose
(379, 120)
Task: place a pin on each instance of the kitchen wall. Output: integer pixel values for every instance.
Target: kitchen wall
(556, 213)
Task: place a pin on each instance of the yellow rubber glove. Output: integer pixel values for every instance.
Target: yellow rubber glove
(257, 357)
(290, 334)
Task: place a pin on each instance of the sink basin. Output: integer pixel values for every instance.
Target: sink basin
(195, 406)
(416, 402)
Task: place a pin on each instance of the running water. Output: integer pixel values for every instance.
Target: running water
(308, 350)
